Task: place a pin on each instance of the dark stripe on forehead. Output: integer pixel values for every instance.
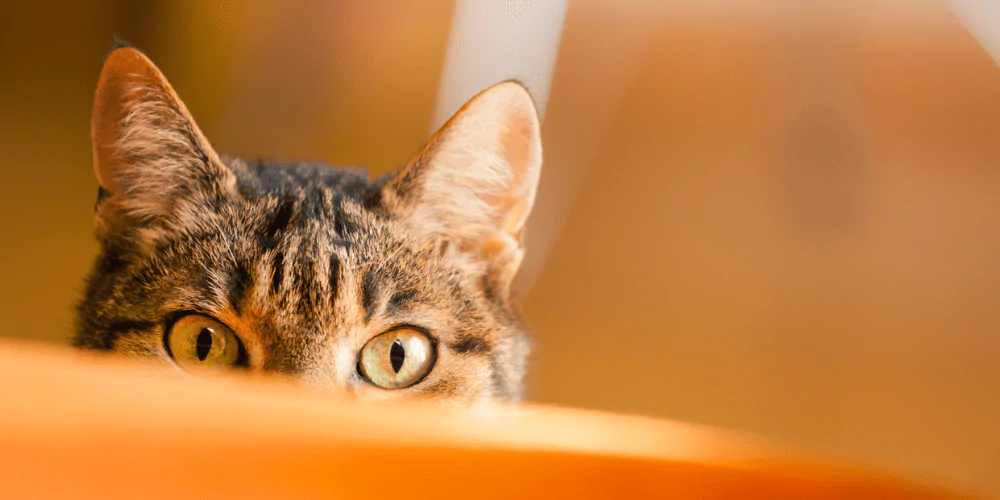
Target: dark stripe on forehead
(277, 272)
(334, 276)
(369, 291)
(303, 282)
(239, 284)
(279, 223)
(342, 226)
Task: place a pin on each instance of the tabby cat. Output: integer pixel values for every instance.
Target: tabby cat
(398, 286)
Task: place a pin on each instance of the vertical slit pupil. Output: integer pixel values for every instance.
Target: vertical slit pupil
(203, 345)
(397, 354)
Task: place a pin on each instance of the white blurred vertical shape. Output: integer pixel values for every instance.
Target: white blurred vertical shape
(982, 18)
(492, 41)
(604, 44)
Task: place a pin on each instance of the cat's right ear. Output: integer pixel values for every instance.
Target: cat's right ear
(474, 183)
(149, 154)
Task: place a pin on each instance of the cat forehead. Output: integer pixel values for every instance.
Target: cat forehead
(314, 209)
(310, 200)
(301, 180)
(297, 268)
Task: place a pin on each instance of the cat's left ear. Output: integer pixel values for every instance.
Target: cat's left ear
(474, 182)
(149, 155)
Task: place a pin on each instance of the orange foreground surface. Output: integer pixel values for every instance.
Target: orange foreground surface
(76, 427)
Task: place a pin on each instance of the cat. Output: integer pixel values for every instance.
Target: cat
(385, 288)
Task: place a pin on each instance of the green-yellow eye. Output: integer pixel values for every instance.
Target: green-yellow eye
(397, 358)
(202, 342)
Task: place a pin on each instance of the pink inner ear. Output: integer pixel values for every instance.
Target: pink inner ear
(521, 147)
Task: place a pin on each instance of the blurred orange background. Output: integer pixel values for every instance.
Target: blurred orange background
(777, 217)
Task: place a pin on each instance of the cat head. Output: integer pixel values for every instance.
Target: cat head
(398, 286)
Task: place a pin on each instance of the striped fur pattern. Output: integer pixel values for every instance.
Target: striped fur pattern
(306, 262)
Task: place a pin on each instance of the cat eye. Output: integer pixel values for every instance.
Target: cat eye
(397, 358)
(196, 342)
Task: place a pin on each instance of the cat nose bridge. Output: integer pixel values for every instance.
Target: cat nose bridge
(315, 362)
